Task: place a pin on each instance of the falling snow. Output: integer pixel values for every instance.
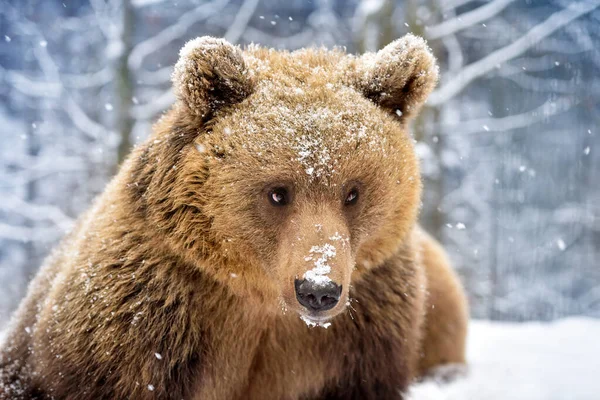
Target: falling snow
(530, 227)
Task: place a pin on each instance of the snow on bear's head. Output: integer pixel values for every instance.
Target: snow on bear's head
(301, 173)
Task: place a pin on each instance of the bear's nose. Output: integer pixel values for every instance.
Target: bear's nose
(317, 297)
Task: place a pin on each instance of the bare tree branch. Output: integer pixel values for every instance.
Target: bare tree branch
(159, 104)
(25, 234)
(84, 123)
(37, 212)
(545, 85)
(454, 50)
(453, 4)
(86, 81)
(241, 20)
(175, 31)
(45, 88)
(529, 64)
(51, 71)
(455, 54)
(30, 87)
(466, 20)
(158, 77)
(506, 124)
(234, 33)
(145, 3)
(556, 21)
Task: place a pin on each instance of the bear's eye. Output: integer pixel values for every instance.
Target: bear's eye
(351, 197)
(279, 196)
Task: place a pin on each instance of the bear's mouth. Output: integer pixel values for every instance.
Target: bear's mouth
(316, 321)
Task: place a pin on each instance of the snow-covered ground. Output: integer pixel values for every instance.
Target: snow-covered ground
(526, 361)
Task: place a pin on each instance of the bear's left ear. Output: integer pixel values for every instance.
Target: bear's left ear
(399, 77)
(210, 74)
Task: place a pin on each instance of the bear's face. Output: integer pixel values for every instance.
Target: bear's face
(310, 173)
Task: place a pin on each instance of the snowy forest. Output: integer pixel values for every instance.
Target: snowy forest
(509, 141)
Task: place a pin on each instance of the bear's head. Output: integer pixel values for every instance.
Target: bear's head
(291, 173)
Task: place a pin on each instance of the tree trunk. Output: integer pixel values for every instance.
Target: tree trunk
(124, 83)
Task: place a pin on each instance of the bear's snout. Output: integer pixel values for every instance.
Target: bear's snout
(317, 296)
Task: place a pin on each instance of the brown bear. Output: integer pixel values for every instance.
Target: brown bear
(261, 244)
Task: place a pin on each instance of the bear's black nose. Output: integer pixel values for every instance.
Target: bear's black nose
(317, 296)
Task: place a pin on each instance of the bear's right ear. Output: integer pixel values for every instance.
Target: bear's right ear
(210, 74)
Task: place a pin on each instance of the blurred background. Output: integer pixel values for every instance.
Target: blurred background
(509, 142)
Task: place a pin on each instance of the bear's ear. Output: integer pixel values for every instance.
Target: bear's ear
(210, 74)
(399, 77)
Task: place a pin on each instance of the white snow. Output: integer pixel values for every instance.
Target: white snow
(313, 323)
(318, 275)
(201, 148)
(525, 361)
(202, 43)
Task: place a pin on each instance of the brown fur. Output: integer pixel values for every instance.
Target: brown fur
(184, 256)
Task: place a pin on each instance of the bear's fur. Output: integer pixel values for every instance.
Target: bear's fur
(179, 282)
